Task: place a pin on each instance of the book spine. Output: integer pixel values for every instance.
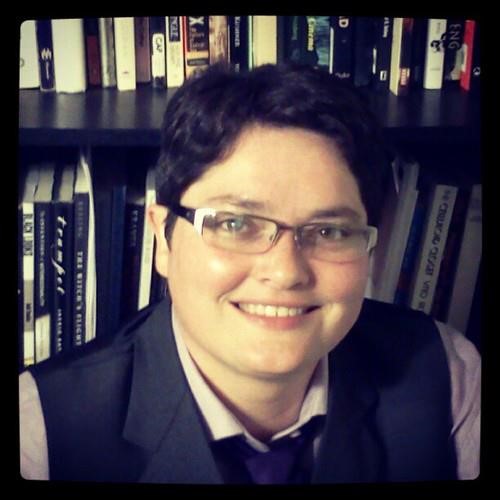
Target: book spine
(125, 53)
(401, 49)
(147, 246)
(364, 43)
(81, 235)
(453, 52)
(218, 39)
(383, 41)
(142, 50)
(265, 40)
(62, 264)
(468, 48)
(319, 41)
(158, 57)
(91, 29)
(468, 263)
(70, 66)
(342, 59)
(43, 282)
(435, 234)
(196, 44)
(28, 284)
(29, 69)
(107, 52)
(419, 46)
(45, 55)
(434, 54)
(175, 51)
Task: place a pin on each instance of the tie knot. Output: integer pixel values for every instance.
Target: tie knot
(280, 464)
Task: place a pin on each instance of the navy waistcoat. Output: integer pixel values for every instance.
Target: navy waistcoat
(119, 409)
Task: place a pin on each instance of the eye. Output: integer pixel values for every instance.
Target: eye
(233, 224)
(333, 233)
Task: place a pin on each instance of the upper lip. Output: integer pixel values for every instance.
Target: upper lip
(289, 305)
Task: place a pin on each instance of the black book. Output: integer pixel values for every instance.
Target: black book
(343, 47)
(43, 269)
(45, 55)
(157, 33)
(418, 49)
(62, 259)
(238, 42)
(383, 43)
(364, 43)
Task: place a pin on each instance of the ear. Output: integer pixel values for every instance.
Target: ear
(156, 216)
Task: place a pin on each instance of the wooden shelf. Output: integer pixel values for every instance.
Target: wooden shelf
(133, 118)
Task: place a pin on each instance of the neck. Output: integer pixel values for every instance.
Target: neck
(264, 406)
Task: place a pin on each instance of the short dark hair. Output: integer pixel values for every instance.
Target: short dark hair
(208, 112)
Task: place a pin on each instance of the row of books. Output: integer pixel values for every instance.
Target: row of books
(430, 246)
(85, 252)
(395, 53)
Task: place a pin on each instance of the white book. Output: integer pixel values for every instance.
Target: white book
(70, 68)
(107, 52)
(28, 225)
(265, 40)
(388, 267)
(84, 185)
(125, 53)
(435, 232)
(29, 69)
(175, 50)
(434, 54)
(469, 259)
(147, 243)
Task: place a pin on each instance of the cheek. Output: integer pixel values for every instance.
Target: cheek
(344, 282)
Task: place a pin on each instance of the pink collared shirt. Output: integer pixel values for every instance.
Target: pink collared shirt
(465, 369)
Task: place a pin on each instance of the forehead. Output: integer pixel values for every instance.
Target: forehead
(285, 170)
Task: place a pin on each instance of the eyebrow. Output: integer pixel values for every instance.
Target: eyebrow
(343, 211)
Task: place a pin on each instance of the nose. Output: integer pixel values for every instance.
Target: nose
(283, 266)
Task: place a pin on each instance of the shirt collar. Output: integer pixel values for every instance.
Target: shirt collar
(221, 422)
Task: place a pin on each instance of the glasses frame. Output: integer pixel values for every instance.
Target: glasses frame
(196, 217)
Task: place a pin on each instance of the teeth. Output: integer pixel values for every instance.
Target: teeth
(271, 311)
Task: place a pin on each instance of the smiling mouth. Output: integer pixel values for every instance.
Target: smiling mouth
(271, 311)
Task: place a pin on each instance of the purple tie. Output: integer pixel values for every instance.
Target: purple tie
(279, 465)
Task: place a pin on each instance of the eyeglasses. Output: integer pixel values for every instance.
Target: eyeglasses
(252, 234)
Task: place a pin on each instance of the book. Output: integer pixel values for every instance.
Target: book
(28, 264)
(453, 51)
(435, 232)
(382, 57)
(418, 50)
(469, 258)
(85, 188)
(406, 178)
(62, 259)
(342, 61)
(468, 50)
(434, 54)
(43, 267)
(175, 51)
(264, 40)
(196, 44)
(318, 41)
(238, 42)
(157, 33)
(107, 52)
(93, 53)
(45, 55)
(133, 236)
(29, 70)
(147, 243)
(364, 47)
(142, 50)
(70, 67)
(125, 53)
(402, 31)
(218, 39)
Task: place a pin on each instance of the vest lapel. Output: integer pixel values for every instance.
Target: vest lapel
(349, 449)
(162, 417)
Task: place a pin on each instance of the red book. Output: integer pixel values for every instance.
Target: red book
(468, 48)
(92, 50)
